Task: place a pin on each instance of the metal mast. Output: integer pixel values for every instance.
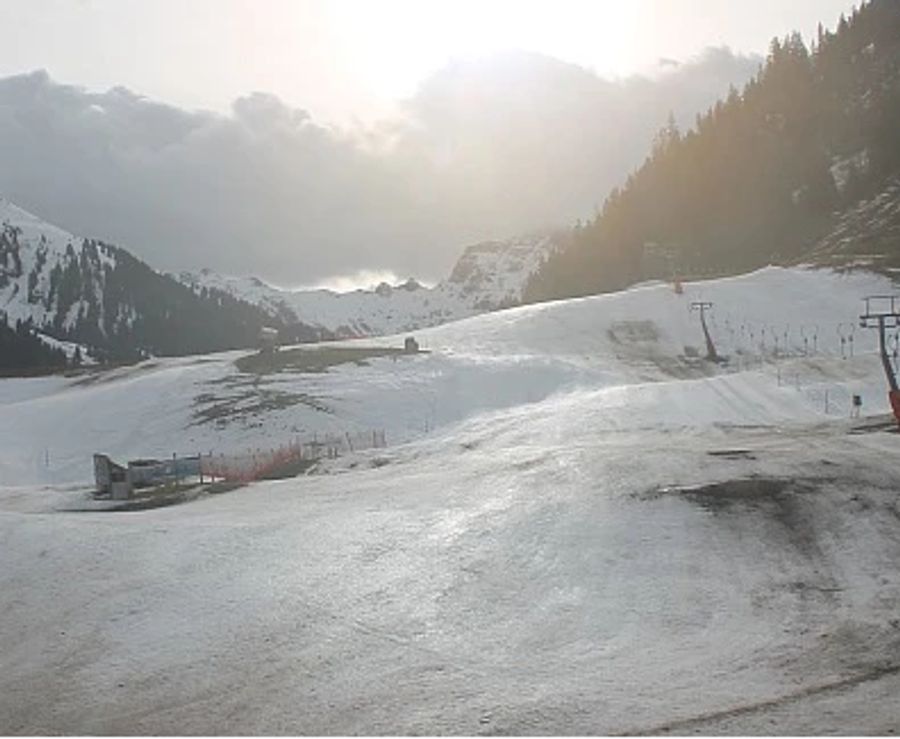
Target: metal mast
(703, 306)
(883, 312)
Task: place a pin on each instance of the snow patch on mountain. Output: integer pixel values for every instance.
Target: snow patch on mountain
(844, 168)
(72, 349)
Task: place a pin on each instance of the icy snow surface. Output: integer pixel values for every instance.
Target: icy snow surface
(528, 556)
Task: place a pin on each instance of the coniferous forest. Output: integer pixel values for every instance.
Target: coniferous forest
(761, 176)
(19, 347)
(122, 310)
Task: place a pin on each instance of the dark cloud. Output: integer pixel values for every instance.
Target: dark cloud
(484, 149)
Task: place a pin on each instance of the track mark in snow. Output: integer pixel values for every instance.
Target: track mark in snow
(736, 454)
(836, 686)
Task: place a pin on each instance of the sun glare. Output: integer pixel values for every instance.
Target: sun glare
(399, 41)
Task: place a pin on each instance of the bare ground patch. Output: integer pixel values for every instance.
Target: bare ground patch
(247, 405)
(315, 359)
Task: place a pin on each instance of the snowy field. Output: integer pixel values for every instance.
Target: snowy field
(577, 527)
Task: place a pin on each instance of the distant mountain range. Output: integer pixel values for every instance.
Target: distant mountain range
(84, 294)
(488, 276)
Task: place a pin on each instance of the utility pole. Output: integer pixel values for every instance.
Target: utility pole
(883, 312)
(703, 306)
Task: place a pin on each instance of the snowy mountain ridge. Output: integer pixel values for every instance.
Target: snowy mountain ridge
(83, 291)
(488, 276)
(34, 258)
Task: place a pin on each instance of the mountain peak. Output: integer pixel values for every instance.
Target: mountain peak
(31, 226)
(489, 275)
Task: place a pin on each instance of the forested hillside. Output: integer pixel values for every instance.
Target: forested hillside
(764, 176)
(101, 297)
(20, 347)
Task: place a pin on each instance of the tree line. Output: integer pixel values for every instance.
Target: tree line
(21, 347)
(760, 175)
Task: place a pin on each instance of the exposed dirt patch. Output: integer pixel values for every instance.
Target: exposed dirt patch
(289, 469)
(630, 332)
(876, 424)
(753, 491)
(778, 499)
(109, 372)
(246, 406)
(316, 359)
(148, 502)
(637, 343)
(743, 426)
(162, 497)
(736, 454)
(681, 368)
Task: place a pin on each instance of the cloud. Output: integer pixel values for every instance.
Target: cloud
(362, 280)
(485, 149)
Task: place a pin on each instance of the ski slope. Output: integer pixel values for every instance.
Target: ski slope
(622, 352)
(578, 529)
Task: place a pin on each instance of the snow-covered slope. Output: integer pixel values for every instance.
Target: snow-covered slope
(34, 258)
(84, 291)
(488, 276)
(629, 353)
(587, 532)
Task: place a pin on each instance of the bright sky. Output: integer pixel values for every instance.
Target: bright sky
(345, 58)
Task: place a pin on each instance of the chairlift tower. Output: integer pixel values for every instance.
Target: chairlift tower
(703, 306)
(668, 253)
(883, 312)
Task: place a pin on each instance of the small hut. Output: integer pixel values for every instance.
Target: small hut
(111, 479)
(268, 340)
